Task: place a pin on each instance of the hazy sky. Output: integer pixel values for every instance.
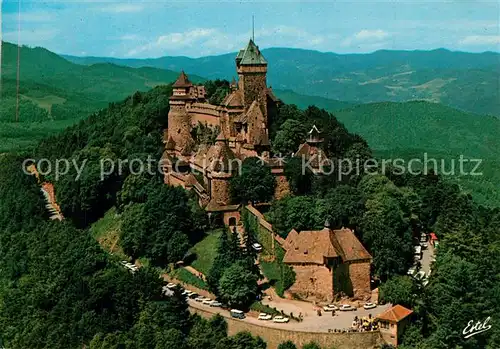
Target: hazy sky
(195, 28)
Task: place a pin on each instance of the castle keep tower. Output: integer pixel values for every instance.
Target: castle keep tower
(179, 121)
(252, 69)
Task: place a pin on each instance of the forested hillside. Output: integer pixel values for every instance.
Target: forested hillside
(408, 130)
(468, 81)
(388, 211)
(59, 289)
(54, 93)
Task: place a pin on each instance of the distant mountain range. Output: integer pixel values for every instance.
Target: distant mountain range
(468, 81)
(70, 91)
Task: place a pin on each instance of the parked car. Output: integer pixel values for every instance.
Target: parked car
(280, 319)
(171, 285)
(369, 305)
(264, 316)
(420, 275)
(199, 299)
(238, 314)
(346, 307)
(215, 304)
(412, 271)
(207, 301)
(194, 295)
(257, 247)
(424, 245)
(330, 307)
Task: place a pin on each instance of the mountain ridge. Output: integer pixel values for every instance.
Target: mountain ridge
(463, 80)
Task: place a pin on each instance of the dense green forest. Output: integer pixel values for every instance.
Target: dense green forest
(60, 289)
(63, 290)
(408, 130)
(388, 211)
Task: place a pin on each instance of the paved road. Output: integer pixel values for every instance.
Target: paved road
(312, 322)
(427, 255)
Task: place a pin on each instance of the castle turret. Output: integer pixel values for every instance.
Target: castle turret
(179, 123)
(221, 168)
(252, 69)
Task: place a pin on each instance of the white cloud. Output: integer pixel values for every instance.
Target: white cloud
(175, 41)
(122, 8)
(367, 39)
(130, 37)
(30, 37)
(364, 35)
(28, 17)
(480, 40)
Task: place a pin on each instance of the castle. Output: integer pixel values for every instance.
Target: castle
(326, 262)
(242, 120)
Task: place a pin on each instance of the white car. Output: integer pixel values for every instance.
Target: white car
(171, 285)
(424, 245)
(280, 319)
(187, 293)
(420, 275)
(257, 247)
(215, 304)
(207, 301)
(330, 307)
(369, 306)
(199, 299)
(346, 307)
(425, 282)
(264, 316)
(412, 271)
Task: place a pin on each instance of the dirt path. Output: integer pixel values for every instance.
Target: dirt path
(49, 195)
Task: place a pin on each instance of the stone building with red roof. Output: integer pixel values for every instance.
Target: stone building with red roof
(392, 323)
(328, 263)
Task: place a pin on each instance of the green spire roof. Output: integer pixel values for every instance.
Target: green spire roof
(251, 55)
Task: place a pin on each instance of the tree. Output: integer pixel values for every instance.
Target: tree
(299, 213)
(238, 286)
(292, 133)
(387, 233)
(242, 340)
(300, 179)
(287, 345)
(399, 290)
(255, 183)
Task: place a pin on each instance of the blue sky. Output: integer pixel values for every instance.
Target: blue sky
(140, 29)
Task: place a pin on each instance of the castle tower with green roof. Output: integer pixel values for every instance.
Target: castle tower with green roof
(252, 69)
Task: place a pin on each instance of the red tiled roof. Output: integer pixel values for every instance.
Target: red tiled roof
(314, 246)
(309, 247)
(433, 236)
(182, 81)
(395, 314)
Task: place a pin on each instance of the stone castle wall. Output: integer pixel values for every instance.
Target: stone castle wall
(274, 336)
(282, 187)
(202, 118)
(313, 281)
(219, 191)
(359, 273)
(254, 88)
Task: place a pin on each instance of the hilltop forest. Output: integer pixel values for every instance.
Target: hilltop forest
(59, 289)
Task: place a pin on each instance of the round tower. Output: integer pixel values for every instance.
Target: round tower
(179, 121)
